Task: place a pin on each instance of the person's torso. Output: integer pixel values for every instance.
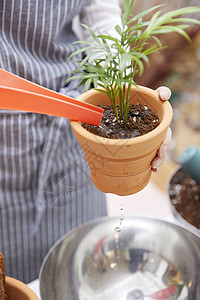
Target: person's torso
(34, 39)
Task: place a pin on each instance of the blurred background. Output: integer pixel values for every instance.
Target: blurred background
(178, 67)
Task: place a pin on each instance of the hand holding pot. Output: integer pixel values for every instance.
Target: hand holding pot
(164, 94)
(123, 166)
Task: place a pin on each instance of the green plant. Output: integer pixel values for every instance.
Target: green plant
(118, 59)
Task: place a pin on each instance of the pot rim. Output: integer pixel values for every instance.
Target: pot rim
(11, 281)
(164, 124)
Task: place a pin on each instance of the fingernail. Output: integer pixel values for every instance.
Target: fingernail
(157, 163)
(163, 149)
(165, 95)
(155, 170)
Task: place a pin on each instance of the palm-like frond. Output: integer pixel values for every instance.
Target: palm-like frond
(118, 59)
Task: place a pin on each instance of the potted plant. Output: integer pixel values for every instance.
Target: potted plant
(11, 288)
(122, 165)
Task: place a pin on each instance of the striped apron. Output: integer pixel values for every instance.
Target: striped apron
(45, 187)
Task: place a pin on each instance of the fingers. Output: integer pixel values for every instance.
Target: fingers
(164, 93)
(166, 143)
(157, 162)
(161, 153)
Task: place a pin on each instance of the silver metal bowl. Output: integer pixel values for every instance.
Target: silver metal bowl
(183, 222)
(148, 259)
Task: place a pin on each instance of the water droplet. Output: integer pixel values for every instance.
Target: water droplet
(117, 229)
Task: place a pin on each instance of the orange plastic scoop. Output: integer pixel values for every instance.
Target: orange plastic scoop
(17, 93)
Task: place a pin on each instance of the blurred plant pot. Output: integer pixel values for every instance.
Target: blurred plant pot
(185, 212)
(17, 290)
(122, 166)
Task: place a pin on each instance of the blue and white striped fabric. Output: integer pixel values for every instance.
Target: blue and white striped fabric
(45, 187)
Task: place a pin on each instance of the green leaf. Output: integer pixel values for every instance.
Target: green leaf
(118, 29)
(169, 29)
(139, 27)
(153, 49)
(168, 17)
(106, 61)
(144, 13)
(81, 42)
(158, 42)
(128, 5)
(152, 23)
(130, 40)
(184, 20)
(86, 59)
(139, 55)
(183, 11)
(132, 28)
(88, 84)
(78, 77)
(125, 58)
(140, 65)
(108, 37)
(102, 91)
(78, 52)
(161, 31)
(124, 20)
(119, 48)
(93, 35)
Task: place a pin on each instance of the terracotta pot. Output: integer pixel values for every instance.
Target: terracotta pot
(122, 166)
(17, 290)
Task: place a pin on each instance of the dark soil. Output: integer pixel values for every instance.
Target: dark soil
(141, 121)
(185, 196)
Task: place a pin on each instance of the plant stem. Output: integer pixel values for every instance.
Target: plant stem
(128, 101)
(124, 103)
(113, 101)
(121, 111)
